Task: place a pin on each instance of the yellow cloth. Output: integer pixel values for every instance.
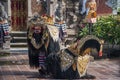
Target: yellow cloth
(82, 63)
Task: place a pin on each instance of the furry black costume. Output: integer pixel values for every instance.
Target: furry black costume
(41, 42)
(44, 52)
(72, 62)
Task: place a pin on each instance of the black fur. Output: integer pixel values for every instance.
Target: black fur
(53, 65)
(53, 62)
(33, 53)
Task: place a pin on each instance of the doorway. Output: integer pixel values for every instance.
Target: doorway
(19, 15)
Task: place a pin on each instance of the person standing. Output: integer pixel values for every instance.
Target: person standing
(4, 26)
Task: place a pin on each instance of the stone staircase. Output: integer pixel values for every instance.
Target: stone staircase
(70, 37)
(6, 46)
(18, 42)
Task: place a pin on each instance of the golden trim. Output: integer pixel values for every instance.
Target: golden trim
(37, 46)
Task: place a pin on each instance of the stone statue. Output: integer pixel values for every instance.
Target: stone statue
(3, 14)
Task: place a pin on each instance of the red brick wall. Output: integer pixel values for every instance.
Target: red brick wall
(102, 8)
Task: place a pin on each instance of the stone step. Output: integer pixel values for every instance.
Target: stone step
(70, 31)
(70, 38)
(18, 34)
(18, 39)
(4, 50)
(15, 50)
(19, 50)
(18, 45)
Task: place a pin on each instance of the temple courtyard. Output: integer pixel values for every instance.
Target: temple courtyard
(14, 66)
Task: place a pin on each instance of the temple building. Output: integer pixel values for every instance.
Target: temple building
(19, 11)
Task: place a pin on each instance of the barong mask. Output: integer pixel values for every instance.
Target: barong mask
(37, 32)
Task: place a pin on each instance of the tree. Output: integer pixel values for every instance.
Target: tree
(108, 28)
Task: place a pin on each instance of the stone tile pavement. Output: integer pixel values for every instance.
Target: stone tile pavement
(15, 67)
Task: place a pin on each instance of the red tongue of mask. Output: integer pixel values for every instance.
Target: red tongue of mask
(100, 52)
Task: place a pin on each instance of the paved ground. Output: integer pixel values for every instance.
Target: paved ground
(15, 67)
